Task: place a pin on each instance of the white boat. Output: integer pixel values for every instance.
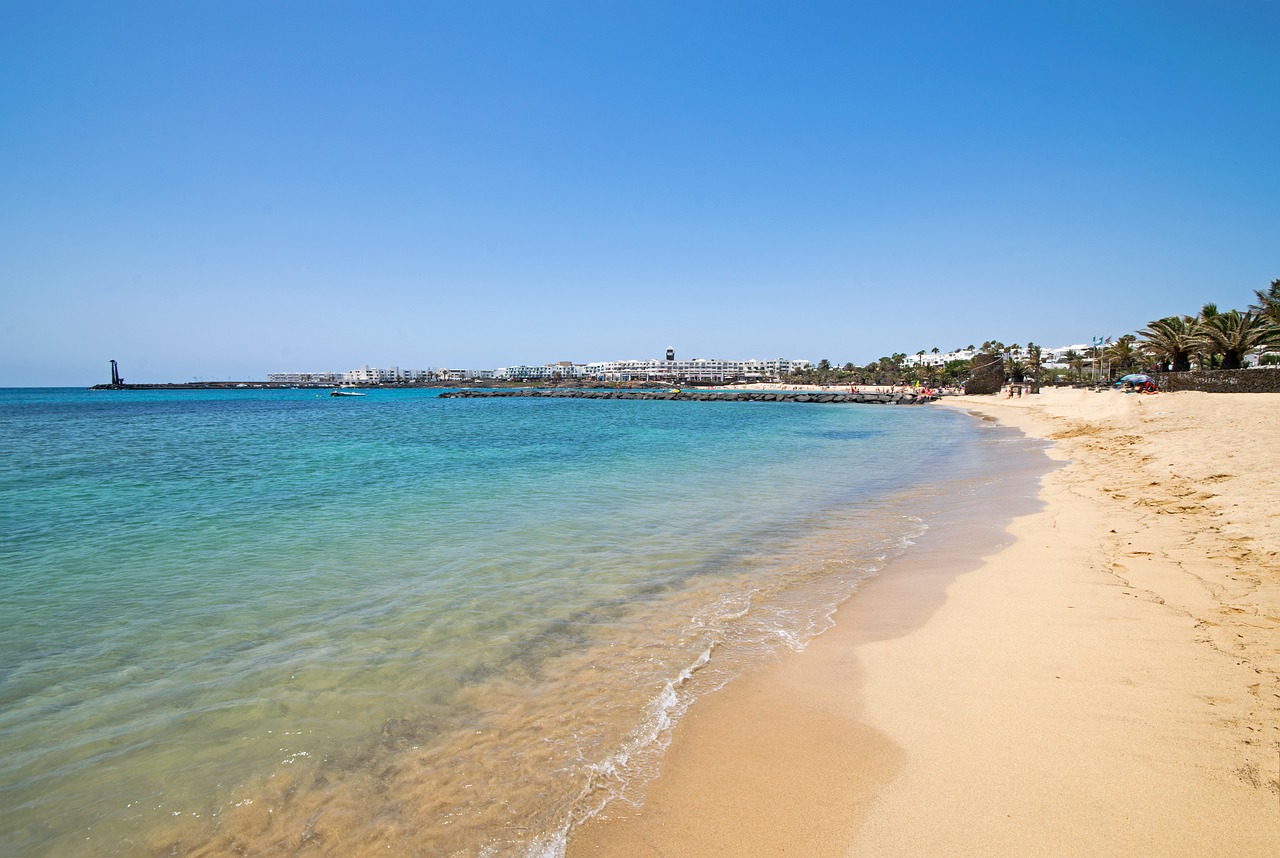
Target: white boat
(345, 393)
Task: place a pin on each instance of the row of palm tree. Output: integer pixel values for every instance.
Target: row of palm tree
(1211, 339)
(1215, 340)
(890, 369)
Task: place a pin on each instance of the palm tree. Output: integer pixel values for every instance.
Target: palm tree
(1269, 302)
(1016, 369)
(1075, 360)
(887, 369)
(1204, 356)
(1234, 334)
(1122, 354)
(1173, 339)
(1033, 363)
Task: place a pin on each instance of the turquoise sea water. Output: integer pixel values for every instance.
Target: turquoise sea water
(272, 621)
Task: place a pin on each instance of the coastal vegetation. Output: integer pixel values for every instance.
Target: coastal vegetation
(1211, 339)
(889, 370)
(1214, 339)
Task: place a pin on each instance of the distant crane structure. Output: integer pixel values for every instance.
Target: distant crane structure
(116, 380)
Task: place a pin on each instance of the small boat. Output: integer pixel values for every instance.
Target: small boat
(345, 393)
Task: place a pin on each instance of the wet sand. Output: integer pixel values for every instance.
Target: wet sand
(1101, 679)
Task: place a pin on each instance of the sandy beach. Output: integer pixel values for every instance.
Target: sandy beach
(1100, 677)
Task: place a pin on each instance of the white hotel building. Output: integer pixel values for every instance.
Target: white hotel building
(930, 359)
(1055, 357)
(305, 377)
(698, 369)
(364, 375)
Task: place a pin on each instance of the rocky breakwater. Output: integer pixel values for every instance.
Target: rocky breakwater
(910, 398)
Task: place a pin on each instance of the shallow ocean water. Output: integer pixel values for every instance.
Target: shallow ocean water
(269, 621)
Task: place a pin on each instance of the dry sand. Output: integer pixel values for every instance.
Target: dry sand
(1106, 684)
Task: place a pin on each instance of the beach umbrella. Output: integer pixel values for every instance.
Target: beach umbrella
(1136, 378)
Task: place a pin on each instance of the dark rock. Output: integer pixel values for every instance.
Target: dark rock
(988, 375)
(1261, 380)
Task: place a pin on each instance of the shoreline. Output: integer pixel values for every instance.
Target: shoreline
(1107, 683)
(780, 760)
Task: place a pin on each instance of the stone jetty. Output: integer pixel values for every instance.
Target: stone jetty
(697, 395)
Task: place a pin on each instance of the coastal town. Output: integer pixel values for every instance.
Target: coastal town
(1212, 339)
(640, 430)
(898, 368)
(1100, 360)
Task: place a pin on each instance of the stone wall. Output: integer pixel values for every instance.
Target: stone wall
(907, 398)
(988, 375)
(1266, 380)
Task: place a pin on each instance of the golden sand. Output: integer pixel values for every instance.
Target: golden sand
(1106, 684)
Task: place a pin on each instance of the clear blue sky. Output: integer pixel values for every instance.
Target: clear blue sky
(223, 189)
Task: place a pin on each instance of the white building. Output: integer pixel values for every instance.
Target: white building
(1255, 360)
(1056, 358)
(1049, 357)
(697, 369)
(364, 375)
(391, 375)
(931, 359)
(304, 377)
(525, 372)
(464, 374)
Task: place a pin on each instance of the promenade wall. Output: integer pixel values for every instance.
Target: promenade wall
(1223, 380)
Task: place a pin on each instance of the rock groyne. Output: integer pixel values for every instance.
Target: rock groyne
(699, 395)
